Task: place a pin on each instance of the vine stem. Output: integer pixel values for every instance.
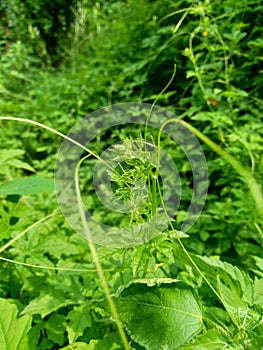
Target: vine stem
(21, 234)
(49, 267)
(96, 260)
(54, 131)
(244, 172)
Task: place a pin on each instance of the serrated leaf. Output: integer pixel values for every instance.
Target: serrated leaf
(79, 319)
(56, 247)
(44, 305)
(13, 330)
(95, 344)
(213, 267)
(150, 282)
(210, 340)
(98, 344)
(241, 314)
(27, 186)
(108, 342)
(164, 316)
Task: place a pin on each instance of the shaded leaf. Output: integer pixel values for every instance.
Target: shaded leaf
(79, 319)
(232, 275)
(55, 328)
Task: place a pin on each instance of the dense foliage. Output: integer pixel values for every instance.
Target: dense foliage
(201, 60)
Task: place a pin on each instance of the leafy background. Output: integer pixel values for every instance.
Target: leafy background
(63, 59)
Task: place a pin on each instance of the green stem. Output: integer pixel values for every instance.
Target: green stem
(54, 131)
(157, 98)
(244, 172)
(97, 261)
(50, 267)
(154, 194)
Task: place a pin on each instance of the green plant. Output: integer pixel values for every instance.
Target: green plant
(244, 327)
(213, 275)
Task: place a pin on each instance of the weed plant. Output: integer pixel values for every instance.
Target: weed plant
(196, 290)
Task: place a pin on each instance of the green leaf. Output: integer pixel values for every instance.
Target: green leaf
(159, 313)
(259, 262)
(108, 342)
(20, 165)
(213, 267)
(56, 247)
(258, 291)
(55, 328)
(79, 319)
(6, 154)
(78, 346)
(44, 305)
(190, 73)
(27, 186)
(210, 340)
(13, 330)
(241, 314)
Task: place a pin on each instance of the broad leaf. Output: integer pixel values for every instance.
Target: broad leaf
(210, 340)
(44, 305)
(27, 186)
(13, 330)
(232, 275)
(241, 314)
(159, 313)
(99, 344)
(108, 342)
(56, 247)
(55, 328)
(79, 319)
(6, 154)
(20, 165)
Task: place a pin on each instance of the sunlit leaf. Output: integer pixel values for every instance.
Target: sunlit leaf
(27, 186)
(210, 340)
(159, 313)
(13, 330)
(44, 305)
